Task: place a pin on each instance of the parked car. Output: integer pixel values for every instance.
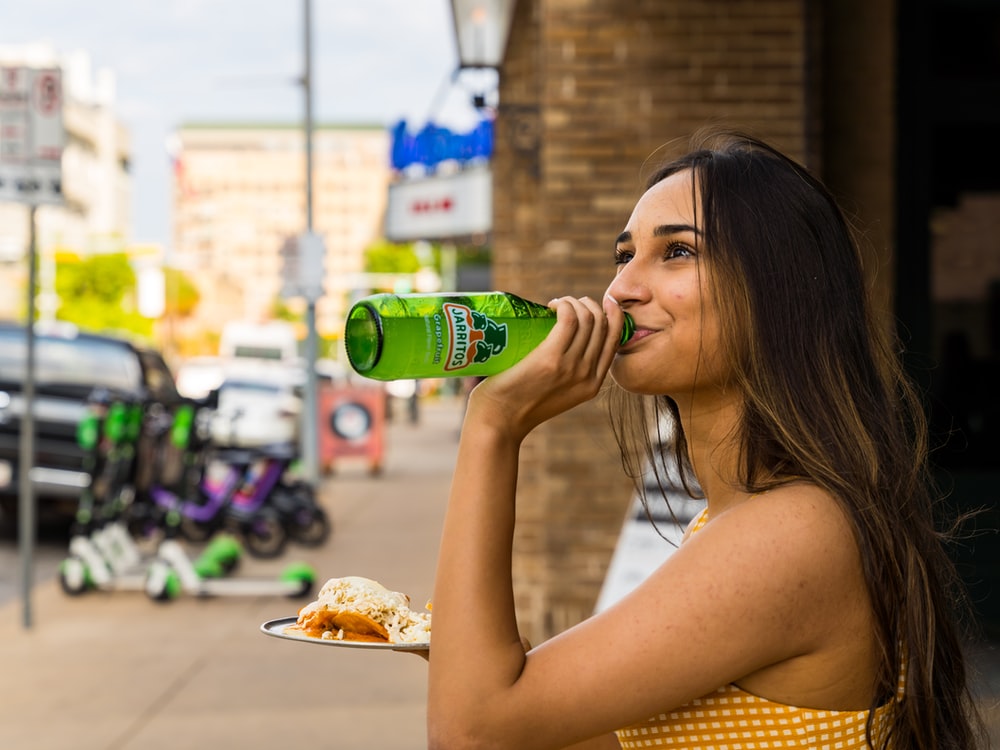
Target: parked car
(258, 406)
(70, 368)
(197, 377)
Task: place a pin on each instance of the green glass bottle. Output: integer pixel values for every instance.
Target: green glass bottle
(404, 336)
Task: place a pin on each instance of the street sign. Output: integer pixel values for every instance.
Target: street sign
(302, 266)
(440, 207)
(32, 135)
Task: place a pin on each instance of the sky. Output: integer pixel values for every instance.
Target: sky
(179, 61)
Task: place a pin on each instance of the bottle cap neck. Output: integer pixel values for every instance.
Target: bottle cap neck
(363, 338)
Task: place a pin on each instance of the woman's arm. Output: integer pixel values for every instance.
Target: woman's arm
(477, 650)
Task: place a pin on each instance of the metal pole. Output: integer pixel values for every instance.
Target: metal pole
(310, 431)
(26, 500)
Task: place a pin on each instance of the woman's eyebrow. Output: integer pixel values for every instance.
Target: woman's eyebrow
(665, 230)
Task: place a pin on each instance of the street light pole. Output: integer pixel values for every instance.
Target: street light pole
(27, 525)
(310, 431)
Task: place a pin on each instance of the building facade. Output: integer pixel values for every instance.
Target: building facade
(96, 182)
(593, 92)
(240, 193)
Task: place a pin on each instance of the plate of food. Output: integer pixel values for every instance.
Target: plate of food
(355, 612)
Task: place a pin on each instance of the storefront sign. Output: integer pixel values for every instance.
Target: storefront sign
(433, 145)
(457, 205)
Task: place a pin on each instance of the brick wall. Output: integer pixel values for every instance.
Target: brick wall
(590, 91)
(856, 52)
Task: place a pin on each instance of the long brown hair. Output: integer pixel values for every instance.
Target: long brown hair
(825, 398)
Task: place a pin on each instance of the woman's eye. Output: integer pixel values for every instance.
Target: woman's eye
(678, 250)
(623, 256)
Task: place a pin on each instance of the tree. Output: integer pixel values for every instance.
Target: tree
(387, 257)
(182, 296)
(97, 293)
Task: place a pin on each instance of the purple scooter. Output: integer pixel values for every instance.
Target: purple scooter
(237, 503)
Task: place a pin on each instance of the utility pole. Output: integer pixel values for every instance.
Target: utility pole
(27, 525)
(30, 173)
(310, 431)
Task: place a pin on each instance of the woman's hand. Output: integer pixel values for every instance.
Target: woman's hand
(565, 370)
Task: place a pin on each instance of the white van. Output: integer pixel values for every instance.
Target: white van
(273, 341)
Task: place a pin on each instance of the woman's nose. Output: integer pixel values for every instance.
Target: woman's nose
(628, 285)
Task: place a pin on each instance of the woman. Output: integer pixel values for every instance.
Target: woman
(810, 604)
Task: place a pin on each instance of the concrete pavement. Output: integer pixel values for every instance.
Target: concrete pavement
(116, 671)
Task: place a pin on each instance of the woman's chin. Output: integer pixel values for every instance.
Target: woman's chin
(626, 378)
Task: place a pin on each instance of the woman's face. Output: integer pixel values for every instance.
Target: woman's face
(662, 283)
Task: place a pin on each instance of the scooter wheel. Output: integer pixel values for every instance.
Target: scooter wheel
(301, 579)
(74, 577)
(195, 531)
(310, 527)
(265, 535)
(162, 582)
(142, 522)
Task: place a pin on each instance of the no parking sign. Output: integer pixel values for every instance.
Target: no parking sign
(32, 135)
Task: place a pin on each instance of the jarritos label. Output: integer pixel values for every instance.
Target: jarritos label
(473, 338)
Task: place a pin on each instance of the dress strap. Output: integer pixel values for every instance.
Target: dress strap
(696, 523)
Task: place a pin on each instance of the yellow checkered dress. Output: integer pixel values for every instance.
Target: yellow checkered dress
(733, 719)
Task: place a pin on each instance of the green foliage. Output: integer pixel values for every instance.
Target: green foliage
(97, 293)
(281, 310)
(181, 294)
(387, 257)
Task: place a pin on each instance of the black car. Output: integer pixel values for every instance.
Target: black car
(70, 368)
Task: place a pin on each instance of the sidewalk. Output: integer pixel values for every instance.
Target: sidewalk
(117, 671)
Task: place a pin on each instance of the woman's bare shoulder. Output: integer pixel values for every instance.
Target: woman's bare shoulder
(801, 539)
(800, 534)
(797, 511)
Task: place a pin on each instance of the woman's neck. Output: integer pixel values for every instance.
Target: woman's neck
(710, 426)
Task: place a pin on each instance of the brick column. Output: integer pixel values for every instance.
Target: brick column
(591, 90)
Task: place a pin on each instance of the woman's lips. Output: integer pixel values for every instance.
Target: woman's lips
(639, 334)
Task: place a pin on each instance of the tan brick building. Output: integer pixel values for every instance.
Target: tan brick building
(590, 91)
(240, 192)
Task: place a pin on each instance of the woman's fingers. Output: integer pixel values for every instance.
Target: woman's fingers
(591, 349)
(585, 326)
(567, 369)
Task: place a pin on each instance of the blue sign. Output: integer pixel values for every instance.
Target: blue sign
(433, 145)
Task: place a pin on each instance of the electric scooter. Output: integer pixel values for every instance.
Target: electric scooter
(264, 488)
(237, 502)
(102, 553)
(259, 526)
(265, 484)
(173, 573)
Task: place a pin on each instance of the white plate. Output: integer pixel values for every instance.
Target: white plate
(276, 628)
